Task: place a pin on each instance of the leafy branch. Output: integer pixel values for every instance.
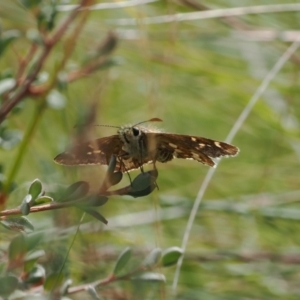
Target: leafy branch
(77, 195)
(26, 81)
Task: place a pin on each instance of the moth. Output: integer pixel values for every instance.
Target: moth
(136, 145)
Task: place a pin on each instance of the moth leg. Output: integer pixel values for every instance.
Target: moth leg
(129, 178)
(142, 169)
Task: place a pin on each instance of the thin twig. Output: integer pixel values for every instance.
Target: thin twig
(59, 205)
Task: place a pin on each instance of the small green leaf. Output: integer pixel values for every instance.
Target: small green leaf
(32, 240)
(17, 248)
(8, 284)
(150, 276)
(152, 258)
(93, 293)
(43, 200)
(170, 256)
(25, 205)
(96, 200)
(18, 224)
(35, 189)
(94, 213)
(115, 178)
(122, 261)
(75, 191)
(142, 181)
(112, 165)
(31, 259)
(53, 281)
(143, 184)
(111, 179)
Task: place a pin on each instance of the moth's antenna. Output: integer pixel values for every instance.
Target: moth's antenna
(107, 126)
(82, 125)
(151, 120)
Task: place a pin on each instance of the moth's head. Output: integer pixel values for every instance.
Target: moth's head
(130, 133)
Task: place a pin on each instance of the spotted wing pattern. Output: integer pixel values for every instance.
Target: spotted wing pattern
(93, 152)
(99, 151)
(191, 147)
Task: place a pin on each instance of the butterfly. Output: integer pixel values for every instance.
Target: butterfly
(134, 146)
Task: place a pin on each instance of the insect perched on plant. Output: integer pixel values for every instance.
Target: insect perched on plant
(135, 146)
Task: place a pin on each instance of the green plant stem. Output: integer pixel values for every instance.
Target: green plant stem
(24, 144)
(68, 253)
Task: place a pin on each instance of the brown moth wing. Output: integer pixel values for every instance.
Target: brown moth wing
(192, 147)
(98, 151)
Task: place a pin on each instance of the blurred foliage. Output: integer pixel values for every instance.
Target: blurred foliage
(196, 75)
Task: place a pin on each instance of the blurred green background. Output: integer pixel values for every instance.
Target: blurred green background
(197, 76)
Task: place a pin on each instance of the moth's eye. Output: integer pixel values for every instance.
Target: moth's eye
(135, 131)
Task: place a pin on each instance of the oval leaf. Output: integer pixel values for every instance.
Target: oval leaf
(110, 180)
(35, 189)
(152, 258)
(32, 240)
(31, 259)
(43, 200)
(21, 224)
(115, 178)
(25, 206)
(95, 214)
(171, 256)
(143, 184)
(7, 285)
(75, 191)
(112, 165)
(17, 248)
(122, 261)
(96, 200)
(35, 255)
